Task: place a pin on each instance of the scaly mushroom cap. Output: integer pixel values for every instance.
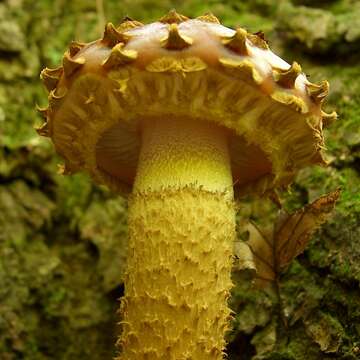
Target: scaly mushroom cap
(180, 67)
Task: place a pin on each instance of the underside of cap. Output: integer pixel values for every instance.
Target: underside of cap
(196, 69)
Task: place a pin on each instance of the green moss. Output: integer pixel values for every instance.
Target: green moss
(328, 30)
(74, 194)
(104, 224)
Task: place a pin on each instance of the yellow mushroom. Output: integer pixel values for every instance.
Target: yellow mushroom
(181, 113)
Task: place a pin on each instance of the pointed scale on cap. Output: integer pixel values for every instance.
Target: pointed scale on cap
(174, 40)
(287, 78)
(50, 77)
(172, 17)
(70, 65)
(209, 17)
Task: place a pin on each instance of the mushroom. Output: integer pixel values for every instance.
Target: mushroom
(183, 115)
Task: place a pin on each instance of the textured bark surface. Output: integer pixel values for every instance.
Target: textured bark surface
(178, 277)
(63, 240)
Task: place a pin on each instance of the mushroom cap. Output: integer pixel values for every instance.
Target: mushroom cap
(193, 68)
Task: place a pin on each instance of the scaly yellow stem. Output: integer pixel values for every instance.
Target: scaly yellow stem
(182, 227)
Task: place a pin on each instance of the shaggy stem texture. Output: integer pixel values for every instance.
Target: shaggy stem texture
(182, 227)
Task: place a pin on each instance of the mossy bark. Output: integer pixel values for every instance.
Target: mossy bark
(63, 239)
(181, 233)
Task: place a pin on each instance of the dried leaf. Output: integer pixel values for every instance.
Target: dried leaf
(293, 232)
(246, 260)
(272, 253)
(261, 247)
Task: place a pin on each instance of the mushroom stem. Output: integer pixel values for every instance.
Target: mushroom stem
(182, 227)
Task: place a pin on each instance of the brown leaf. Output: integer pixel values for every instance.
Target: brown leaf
(272, 253)
(262, 249)
(293, 232)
